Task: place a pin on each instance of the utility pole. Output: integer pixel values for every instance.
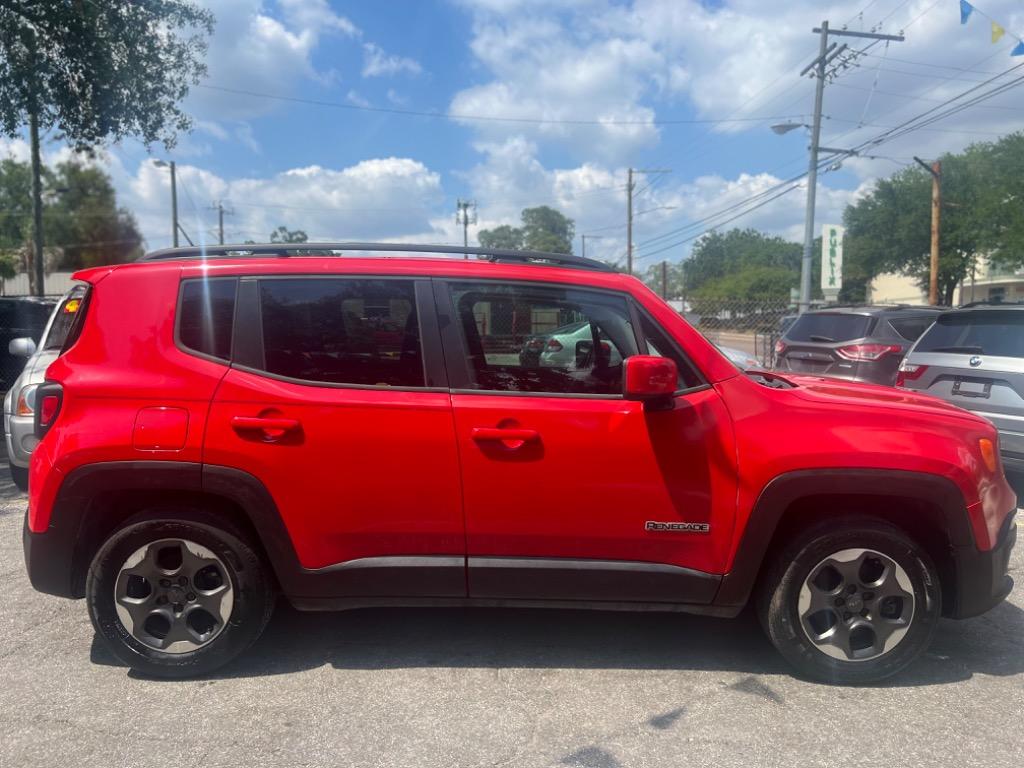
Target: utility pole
(664, 280)
(174, 201)
(629, 211)
(219, 208)
(629, 223)
(37, 206)
(935, 169)
(465, 214)
(583, 240)
(826, 53)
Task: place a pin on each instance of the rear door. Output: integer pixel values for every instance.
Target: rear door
(975, 359)
(570, 491)
(336, 401)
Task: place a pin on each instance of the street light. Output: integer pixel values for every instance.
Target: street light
(659, 208)
(174, 197)
(812, 189)
(784, 128)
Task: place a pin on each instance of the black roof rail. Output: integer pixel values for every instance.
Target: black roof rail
(998, 302)
(241, 250)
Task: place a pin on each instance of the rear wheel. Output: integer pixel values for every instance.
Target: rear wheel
(177, 597)
(20, 477)
(851, 604)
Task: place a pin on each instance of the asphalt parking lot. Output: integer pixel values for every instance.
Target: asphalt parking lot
(494, 688)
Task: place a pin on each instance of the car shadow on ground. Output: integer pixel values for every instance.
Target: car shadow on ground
(393, 638)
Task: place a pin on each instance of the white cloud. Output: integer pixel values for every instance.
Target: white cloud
(375, 199)
(378, 63)
(267, 44)
(354, 97)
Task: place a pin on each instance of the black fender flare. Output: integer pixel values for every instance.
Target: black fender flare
(786, 489)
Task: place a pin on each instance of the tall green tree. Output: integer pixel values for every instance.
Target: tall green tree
(543, 229)
(889, 229)
(97, 70)
(505, 236)
(82, 221)
(284, 235)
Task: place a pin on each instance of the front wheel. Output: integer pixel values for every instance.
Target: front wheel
(851, 603)
(177, 597)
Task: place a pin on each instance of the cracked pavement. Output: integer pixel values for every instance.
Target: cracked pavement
(449, 688)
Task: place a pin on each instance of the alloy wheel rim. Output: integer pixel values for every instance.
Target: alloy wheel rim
(856, 605)
(173, 595)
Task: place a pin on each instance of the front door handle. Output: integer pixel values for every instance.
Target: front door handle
(485, 434)
(272, 427)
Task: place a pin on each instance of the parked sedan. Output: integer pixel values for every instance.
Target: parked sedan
(858, 343)
(558, 348)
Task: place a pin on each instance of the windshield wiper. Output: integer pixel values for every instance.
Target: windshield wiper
(815, 337)
(961, 350)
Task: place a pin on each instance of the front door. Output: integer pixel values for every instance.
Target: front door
(330, 403)
(570, 491)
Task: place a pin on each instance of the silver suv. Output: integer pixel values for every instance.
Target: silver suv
(20, 400)
(974, 357)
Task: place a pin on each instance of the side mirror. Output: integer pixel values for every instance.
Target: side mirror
(650, 378)
(22, 347)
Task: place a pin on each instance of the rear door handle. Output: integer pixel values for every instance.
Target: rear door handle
(272, 427)
(482, 434)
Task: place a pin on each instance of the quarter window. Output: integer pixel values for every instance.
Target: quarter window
(206, 316)
(544, 339)
(658, 344)
(342, 331)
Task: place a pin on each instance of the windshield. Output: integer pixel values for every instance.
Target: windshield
(828, 327)
(976, 333)
(63, 319)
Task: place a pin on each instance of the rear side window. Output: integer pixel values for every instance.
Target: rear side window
(911, 328)
(999, 333)
(342, 331)
(825, 327)
(206, 316)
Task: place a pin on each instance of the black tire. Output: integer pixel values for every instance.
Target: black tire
(252, 594)
(779, 597)
(20, 477)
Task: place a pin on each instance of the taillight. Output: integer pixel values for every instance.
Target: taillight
(909, 372)
(554, 345)
(867, 352)
(26, 401)
(780, 347)
(49, 398)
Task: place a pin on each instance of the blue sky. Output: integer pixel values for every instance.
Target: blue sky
(631, 65)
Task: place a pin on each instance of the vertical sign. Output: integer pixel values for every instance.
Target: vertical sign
(831, 260)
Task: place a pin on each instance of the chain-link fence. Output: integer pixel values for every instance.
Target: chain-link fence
(750, 325)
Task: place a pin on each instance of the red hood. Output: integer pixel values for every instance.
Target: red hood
(855, 394)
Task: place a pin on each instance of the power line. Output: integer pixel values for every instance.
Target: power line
(484, 118)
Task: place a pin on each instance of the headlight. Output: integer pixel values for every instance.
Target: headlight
(26, 400)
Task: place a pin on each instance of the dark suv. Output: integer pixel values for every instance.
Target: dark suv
(858, 343)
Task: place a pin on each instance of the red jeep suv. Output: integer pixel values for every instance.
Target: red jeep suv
(230, 423)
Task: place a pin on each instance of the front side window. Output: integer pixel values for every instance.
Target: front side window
(544, 339)
(342, 331)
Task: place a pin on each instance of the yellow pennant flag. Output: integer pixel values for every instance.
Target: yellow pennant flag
(997, 32)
